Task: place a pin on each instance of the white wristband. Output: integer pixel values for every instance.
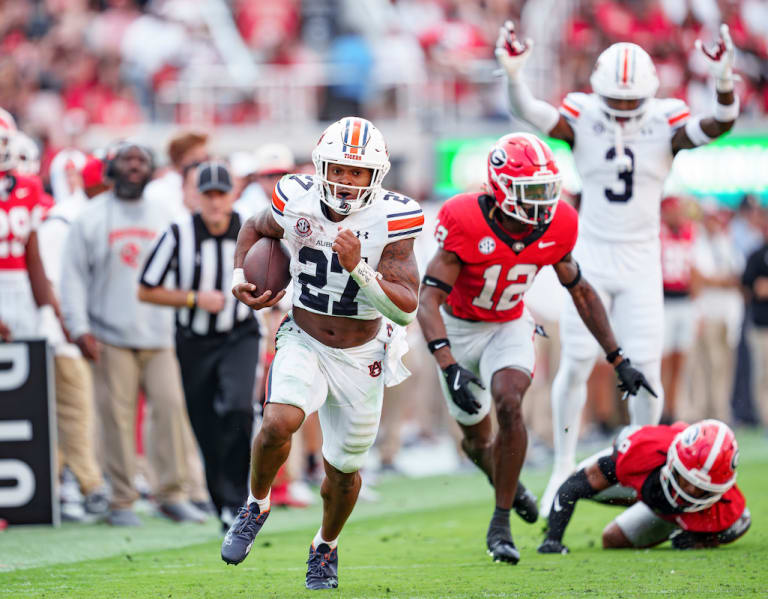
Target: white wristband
(238, 277)
(725, 113)
(363, 274)
(695, 133)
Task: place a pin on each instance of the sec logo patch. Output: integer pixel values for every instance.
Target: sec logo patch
(303, 228)
(486, 245)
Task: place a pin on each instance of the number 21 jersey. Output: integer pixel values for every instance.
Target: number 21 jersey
(497, 269)
(320, 283)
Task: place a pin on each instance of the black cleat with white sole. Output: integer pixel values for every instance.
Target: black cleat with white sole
(552, 546)
(525, 504)
(501, 547)
(240, 536)
(322, 568)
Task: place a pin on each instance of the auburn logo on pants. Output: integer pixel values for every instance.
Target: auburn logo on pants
(375, 369)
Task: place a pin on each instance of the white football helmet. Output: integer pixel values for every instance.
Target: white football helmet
(624, 71)
(26, 154)
(351, 141)
(7, 132)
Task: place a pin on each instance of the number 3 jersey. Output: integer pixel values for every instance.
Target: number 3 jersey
(320, 283)
(497, 269)
(622, 206)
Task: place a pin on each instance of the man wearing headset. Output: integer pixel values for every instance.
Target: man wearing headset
(129, 342)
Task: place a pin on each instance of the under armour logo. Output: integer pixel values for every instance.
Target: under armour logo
(364, 234)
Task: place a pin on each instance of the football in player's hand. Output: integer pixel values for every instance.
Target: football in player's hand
(266, 265)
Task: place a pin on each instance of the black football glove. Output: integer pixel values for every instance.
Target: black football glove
(458, 379)
(685, 539)
(631, 379)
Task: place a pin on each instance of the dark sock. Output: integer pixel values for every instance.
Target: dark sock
(499, 526)
(574, 488)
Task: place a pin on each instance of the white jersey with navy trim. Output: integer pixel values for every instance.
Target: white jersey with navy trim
(622, 206)
(320, 283)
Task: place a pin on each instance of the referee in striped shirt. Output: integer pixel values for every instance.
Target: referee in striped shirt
(217, 338)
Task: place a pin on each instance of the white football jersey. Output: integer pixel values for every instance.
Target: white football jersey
(320, 283)
(622, 206)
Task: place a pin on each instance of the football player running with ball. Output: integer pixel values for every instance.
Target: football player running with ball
(355, 280)
(472, 313)
(685, 480)
(623, 141)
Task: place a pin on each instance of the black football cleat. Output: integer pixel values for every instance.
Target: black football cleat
(240, 536)
(525, 504)
(501, 547)
(552, 546)
(322, 568)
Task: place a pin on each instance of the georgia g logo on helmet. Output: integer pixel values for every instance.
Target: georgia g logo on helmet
(498, 157)
(524, 178)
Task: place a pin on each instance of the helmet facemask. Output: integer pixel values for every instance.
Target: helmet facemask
(532, 200)
(361, 196)
(7, 158)
(674, 471)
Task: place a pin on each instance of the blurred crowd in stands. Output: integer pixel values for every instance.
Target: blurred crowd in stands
(68, 64)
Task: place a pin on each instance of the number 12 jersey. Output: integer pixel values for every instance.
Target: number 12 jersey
(320, 283)
(497, 269)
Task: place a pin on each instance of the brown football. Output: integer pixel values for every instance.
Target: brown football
(267, 265)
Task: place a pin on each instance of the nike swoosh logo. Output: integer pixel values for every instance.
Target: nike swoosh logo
(439, 345)
(456, 382)
(557, 507)
(545, 244)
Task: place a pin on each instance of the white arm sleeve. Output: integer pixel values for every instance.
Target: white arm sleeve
(368, 280)
(538, 113)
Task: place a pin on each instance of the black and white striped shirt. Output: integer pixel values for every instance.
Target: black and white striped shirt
(198, 261)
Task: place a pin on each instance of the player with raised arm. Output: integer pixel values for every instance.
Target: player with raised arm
(623, 141)
(685, 480)
(474, 320)
(352, 263)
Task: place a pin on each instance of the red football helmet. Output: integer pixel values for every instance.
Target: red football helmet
(524, 178)
(704, 455)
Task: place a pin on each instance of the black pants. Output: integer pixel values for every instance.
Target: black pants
(218, 375)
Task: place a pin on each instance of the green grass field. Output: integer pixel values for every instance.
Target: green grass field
(425, 538)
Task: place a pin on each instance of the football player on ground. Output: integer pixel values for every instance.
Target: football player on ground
(473, 317)
(685, 480)
(623, 140)
(354, 275)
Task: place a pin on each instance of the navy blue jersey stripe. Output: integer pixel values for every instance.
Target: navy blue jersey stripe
(276, 210)
(399, 233)
(399, 214)
(280, 191)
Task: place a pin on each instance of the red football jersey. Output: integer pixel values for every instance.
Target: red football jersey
(677, 257)
(497, 268)
(21, 212)
(644, 451)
